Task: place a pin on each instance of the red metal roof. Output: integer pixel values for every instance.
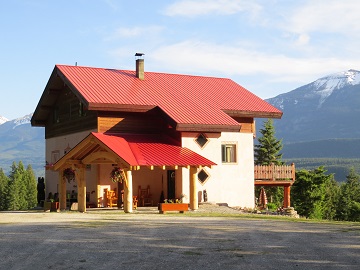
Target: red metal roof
(151, 150)
(186, 99)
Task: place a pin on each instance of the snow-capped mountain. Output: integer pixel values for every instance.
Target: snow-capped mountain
(20, 141)
(318, 90)
(22, 120)
(327, 108)
(3, 119)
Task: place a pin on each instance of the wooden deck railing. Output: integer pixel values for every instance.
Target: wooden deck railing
(274, 172)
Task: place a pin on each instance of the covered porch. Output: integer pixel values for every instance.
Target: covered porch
(136, 156)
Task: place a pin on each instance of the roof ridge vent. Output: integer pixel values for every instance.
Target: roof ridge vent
(139, 65)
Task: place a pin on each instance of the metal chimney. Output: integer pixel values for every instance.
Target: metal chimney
(139, 65)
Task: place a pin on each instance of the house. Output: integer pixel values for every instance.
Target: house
(176, 135)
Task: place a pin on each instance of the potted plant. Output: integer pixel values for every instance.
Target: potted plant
(173, 205)
(69, 174)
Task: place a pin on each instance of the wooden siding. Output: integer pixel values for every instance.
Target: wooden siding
(247, 124)
(150, 122)
(68, 118)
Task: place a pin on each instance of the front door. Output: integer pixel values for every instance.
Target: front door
(171, 184)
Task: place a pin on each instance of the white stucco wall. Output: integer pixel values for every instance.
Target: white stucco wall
(54, 150)
(228, 183)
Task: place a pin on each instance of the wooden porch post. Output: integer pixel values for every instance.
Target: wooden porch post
(193, 189)
(62, 191)
(128, 193)
(286, 196)
(81, 198)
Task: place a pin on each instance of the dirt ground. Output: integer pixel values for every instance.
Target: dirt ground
(147, 240)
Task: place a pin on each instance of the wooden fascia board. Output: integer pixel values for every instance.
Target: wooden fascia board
(234, 113)
(207, 128)
(119, 107)
(38, 123)
(274, 183)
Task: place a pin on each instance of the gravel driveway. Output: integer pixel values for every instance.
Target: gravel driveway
(147, 240)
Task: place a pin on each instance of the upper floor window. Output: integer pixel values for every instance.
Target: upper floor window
(201, 140)
(56, 118)
(228, 153)
(81, 109)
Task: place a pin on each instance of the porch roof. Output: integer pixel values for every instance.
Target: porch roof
(133, 150)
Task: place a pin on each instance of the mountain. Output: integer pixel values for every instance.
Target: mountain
(3, 119)
(20, 141)
(321, 123)
(321, 120)
(327, 108)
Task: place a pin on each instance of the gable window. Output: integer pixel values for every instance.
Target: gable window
(56, 115)
(228, 153)
(201, 140)
(81, 110)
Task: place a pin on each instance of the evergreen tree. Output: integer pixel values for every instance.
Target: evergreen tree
(314, 194)
(12, 193)
(31, 187)
(3, 188)
(348, 207)
(268, 149)
(19, 179)
(267, 152)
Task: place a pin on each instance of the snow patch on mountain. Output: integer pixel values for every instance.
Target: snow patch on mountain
(3, 120)
(325, 86)
(22, 120)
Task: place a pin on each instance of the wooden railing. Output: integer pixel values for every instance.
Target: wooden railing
(274, 172)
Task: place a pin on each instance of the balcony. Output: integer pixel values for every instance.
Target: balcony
(274, 175)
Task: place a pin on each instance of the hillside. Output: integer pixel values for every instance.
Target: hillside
(328, 108)
(321, 123)
(20, 141)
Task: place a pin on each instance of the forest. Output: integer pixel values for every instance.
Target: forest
(315, 193)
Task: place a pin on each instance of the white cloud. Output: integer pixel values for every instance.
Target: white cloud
(330, 16)
(202, 58)
(191, 8)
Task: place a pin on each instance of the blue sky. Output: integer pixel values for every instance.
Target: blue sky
(268, 46)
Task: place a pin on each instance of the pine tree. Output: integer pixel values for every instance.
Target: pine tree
(19, 179)
(12, 200)
(267, 152)
(348, 207)
(31, 187)
(3, 188)
(268, 149)
(314, 194)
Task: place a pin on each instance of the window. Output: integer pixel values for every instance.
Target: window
(81, 110)
(56, 118)
(201, 140)
(228, 153)
(203, 176)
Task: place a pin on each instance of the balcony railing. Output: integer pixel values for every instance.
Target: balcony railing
(274, 174)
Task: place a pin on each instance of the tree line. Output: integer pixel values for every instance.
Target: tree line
(18, 190)
(315, 194)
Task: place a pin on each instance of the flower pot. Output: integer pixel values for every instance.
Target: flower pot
(180, 207)
(47, 206)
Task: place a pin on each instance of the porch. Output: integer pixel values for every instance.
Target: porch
(276, 176)
(139, 157)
